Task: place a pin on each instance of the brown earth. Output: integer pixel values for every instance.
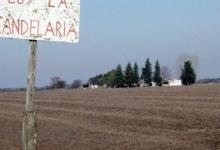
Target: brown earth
(178, 118)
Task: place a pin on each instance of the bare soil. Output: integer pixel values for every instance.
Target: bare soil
(168, 118)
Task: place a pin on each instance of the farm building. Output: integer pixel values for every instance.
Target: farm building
(173, 82)
(93, 86)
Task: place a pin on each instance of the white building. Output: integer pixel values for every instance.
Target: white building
(174, 82)
(93, 86)
(153, 84)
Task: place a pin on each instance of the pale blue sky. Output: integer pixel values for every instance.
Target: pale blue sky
(117, 31)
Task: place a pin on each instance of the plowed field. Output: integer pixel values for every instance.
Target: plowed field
(177, 118)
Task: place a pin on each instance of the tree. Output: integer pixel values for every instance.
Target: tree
(96, 80)
(165, 73)
(109, 78)
(188, 75)
(57, 83)
(181, 61)
(76, 84)
(129, 75)
(119, 78)
(136, 74)
(147, 73)
(157, 78)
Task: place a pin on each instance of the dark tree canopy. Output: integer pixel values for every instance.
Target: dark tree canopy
(129, 75)
(96, 80)
(76, 84)
(157, 77)
(147, 73)
(109, 78)
(188, 75)
(57, 83)
(119, 78)
(136, 74)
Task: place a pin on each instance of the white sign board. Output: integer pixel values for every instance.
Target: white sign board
(53, 20)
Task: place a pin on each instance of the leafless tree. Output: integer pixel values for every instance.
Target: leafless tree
(165, 72)
(57, 83)
(76, 84)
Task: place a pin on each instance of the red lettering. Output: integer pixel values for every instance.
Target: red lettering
(11, 1)
(6, 27)
(49, 29)
(72, 30)
(15, 26)
(64, 29)
(58, 27)
(34, 27)
(20, 1)
(50, 5)
(24, 27)
(63, 2)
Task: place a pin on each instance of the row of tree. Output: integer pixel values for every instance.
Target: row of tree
(130, 76)
(58, 83)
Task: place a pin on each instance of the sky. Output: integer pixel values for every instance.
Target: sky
(120, 31)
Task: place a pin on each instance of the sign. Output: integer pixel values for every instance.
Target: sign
(53, 20)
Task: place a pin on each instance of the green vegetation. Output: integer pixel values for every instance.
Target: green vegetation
(147, 73)
(157, 78)
(188, 75)
(136, 74)
(129, 75)
(119, 77)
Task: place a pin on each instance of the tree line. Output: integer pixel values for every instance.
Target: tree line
(130, 77)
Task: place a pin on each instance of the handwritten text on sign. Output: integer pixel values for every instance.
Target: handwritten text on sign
(54, 20)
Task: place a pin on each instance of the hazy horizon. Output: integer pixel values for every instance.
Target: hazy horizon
(116, 32)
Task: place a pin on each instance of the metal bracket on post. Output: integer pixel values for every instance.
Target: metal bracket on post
(29, 131)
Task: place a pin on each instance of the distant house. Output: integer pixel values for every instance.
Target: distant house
(174, 82)
(153, 84)
(93, 86)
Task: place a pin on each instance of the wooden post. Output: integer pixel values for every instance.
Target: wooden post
(29, 131)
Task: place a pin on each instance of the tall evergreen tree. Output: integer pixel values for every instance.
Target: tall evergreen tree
(136, 73)
(157, 78)
(188, 75)
(147, 73)
(129, 75)
(119, 78)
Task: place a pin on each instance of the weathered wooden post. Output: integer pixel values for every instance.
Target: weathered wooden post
(50, 20)
(29, 120)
